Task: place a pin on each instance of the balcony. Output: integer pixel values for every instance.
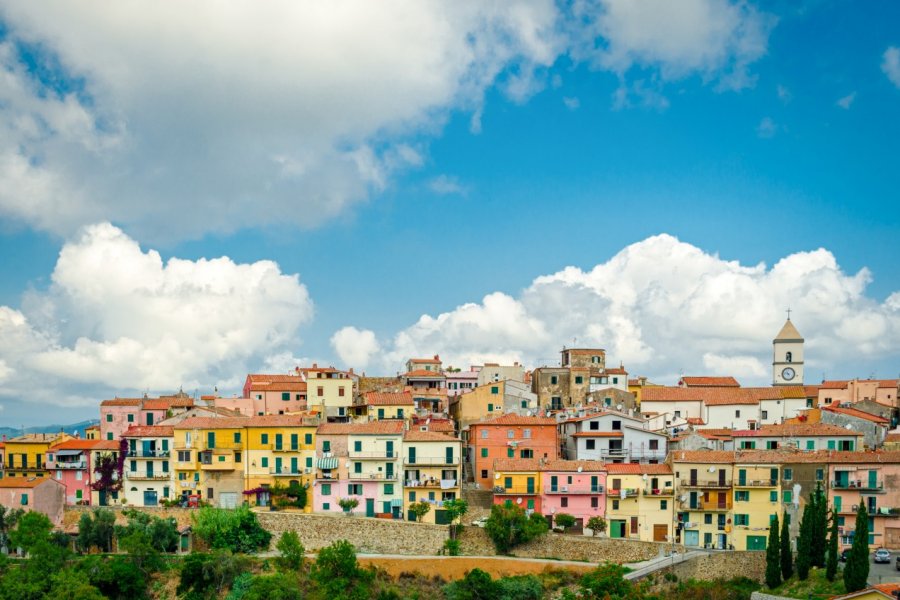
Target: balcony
(216, 462)
(623, 493)
(287, 471)
(861, 485)
(712, 506)
(515, 489)
(881, 511)
(73, 465)
(430, 460)
(29, 468)
(441, 484)
(289, 448)
(374, 455)
(140, 453)
(574, 489)
(145, 476)
(663, 492)
(201, 445)
(757, 483)
(711, 484)
(372, 477)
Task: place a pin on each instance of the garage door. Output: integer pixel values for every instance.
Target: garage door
(756, 542)
(892, 538)
(228, 500)
(660, 533)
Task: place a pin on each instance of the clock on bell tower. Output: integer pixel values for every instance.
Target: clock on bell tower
(787, 359)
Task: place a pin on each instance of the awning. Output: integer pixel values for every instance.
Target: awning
(328, 463)
(68, 452)
(396, 502)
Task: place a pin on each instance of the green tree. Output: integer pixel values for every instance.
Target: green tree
(279, 586)
(420, 509)
(116, 576)
(773, 556)
(787, 557)
(831, 558)
(291, 551)
(348, 504)
(96, 529)
(32, 531)
(803, 543)
(508, 526)
(596, 525)
(8, 519)
(337, 573)
(70, 584)
(856, 571)
(143, 555)
(456, 509)
(819, 529)
(237, 530)
(207, 575)
(476, 585)
(564, 520)
(608, 581)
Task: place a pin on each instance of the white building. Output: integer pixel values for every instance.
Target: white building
(148, 477)
(611, 437)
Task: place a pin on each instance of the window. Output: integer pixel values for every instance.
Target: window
(788, 357)
(355, 489)
(484, 473)
(526, 433)
(507, 482)
(484, 434)
(130, 418)
(264, 461)
(579, 380)
(109, 418)
(617, 425)
(810, 444)
(742, 496)
(357, 446)
(530, 503)
(24, 500)
(237, 457)
(663, 504)
(590, 444)
(320, 391)
(707, 519)
(742, 520)
(771, 445)
(490, 409)
(341, 391)
(389, 489)
(237, 437)
(820, 474)
(184, 456)
(326, 506)
(264, 438)
(285, 396)
(221, 458)
(654, 444)
(788, 474)
(554, 380)
(594, 426)
(510, 453)
(209, 493)
(484, 452)
(495, 389)
(737, 414)
(412, 496)
(615, 505)
(182, 476)
(773, 496)
(595, 502)
(326, 445)
(615, 380)
(745, 445)
(765, 414)
(677, 414)
(524, 403)
(787, 496)
(526, 453)
(357, 467)
(309, 462)
(564, 502)
(307, 439)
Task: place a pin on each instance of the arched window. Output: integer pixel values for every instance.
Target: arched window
(788, 357)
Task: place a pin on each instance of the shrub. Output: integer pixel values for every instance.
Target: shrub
(596, 525)
(608, 581)
(291, 551)
(508, 526)
(280, 586)
(420, 509)
(451, 547)
(564, 520)
(476, 585)
(338, 575)
(348, 504)
(237, 530)
(207, 575)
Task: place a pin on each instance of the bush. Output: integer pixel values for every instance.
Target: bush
(116, 577)
(564, 520)
(208, 575)
(596, 525)
(291, 551)
(280, 586)
(420, 509)
(508, 526)
(519, 587)
(476, 585)
(237, 530)
(338, 575)
(608, 581)
(451, 547)
(348, 504)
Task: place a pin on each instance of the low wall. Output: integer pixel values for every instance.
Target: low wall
(720, 565)
(376, 536)
(475, 542)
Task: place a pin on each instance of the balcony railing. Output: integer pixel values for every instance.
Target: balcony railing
(374, 455)
(289, 448)
(202, 445)
(515, 489)
(139, 475)
(712, 506)
(40, 467)
(623, 493)
(859, 484)
(705, 483)
(372, 476)
(140, 453)
(290, 471)
(575, 489)
(431, 483)
(78, 464)
(665, 491)
(430, 460)
(881, 511)
(757, 483)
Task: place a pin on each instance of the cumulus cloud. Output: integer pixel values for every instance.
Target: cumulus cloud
(890, 65)
(664, 306)
(784, 94)
(355, 347)
(767, 128)
(298, 112)
(118, 317)
(572, 103)
(445, 185)
(847, 101)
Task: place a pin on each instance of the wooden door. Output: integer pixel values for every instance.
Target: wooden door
(660, 532)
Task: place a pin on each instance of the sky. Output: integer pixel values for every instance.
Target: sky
(189, 194)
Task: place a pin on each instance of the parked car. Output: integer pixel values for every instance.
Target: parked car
(844, 554)
(882, 556)
(897, 564)
(479, 522)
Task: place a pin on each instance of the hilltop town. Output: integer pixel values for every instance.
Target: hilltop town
(705, 463)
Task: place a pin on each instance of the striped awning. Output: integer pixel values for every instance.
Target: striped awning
(328, 463)
(397, 502)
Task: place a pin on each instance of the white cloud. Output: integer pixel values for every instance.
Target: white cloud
(572, 103)
(120, 318)
(890, 64)
(846, 101)
(664, 306)
(446, 184)
(355, 347)
(784, 94)
(767, 128)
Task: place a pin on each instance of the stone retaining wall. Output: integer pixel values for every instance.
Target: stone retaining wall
(475, 542)
(720, 565)
(376, 536)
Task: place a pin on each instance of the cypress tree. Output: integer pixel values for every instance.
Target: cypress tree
(787, 558)
(820, 540)
(831, 558)
(856, 572)
(773, 556)
(804, 542)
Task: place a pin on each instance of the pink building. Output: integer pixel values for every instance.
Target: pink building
(272, 394)
(71, 463)
(331, 483)
(574, 487)
(461, 382)
(119, 414)
(34, 493)
(883, 391)
(872, 479)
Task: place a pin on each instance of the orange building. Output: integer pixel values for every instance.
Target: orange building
(510, 436)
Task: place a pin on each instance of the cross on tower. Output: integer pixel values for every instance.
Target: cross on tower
(788, 311)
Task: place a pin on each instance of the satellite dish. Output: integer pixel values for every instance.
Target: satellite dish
(496, 475)
(644, 477)
(528, 413)
(518, 501)
(683, 498)
(347, 464)
(618, 407)
(848, 426)
(712, 469)
(579, 469)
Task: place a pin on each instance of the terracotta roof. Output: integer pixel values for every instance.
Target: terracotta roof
(790, 455)
(427, 436)
(280, 421)
(34, 438)
(279, 386)
(433, 361)
(811, 390)
(514, 419)
(634, 382)
(789, 333)
(25, 482)
(638, 469)
(601, 414)
(386, 427)
(438, 425)
(213, 423)
(798, 430)
(585, 350)
(106, 445)
(722, 431)
(853, 412)
(717, 396)
(122, 402)
(265, 378)
(892, 437)
(616, 371)
(167, 403)
(702, 456)
(92, 427)
(150, 431)
(538, 464)
(423, 374)
(79, 445)
(592, 434)
(710, 382)
(388, 399)
(840, 384)
(695, 421)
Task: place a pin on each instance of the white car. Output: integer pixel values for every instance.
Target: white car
(479, 522)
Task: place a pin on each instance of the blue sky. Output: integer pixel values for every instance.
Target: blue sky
(799, 154)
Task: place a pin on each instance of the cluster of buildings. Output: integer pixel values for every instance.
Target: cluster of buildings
(706, 462)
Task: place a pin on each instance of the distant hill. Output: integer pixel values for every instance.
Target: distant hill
(10, 432)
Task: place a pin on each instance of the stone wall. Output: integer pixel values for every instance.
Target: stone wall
(475, 542)
(719, 565)
(376, 536)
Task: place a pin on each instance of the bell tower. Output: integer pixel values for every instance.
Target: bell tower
(787, 357)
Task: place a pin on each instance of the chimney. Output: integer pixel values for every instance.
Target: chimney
(350, 371)
(436, 357)
(315, 365)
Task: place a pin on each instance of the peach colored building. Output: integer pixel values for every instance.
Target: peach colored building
(883, 391)
(574, 487)
(273, 395)
(870, 478)
(118, 414)
(43, 495)
(71, 463)
(509, 436)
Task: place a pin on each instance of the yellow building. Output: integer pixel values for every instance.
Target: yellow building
(518, 481)
(703, 494)
(431, 472)
(279, 450)
(376, 406)
(329, 391)
(640, 501)
(483, 402)
(26, 455)
(636, 387)
(758, 497)
(209, 459)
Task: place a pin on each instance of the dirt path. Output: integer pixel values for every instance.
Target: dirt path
(455, 567)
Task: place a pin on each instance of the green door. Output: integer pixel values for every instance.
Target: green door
(278, 464)
(295, 441)
(773, 476)
(150, 468)
(210, 439)
(617, 529)
(294, 468)
(742, 476)
(756, 542)
(370, 507)
(389, 471)
(873, 480)
(149, 418)
(278, 441)
(412, 455)
(386, 507)
(390, 449)
(529, 485)
(837, 504)
(448, 455)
